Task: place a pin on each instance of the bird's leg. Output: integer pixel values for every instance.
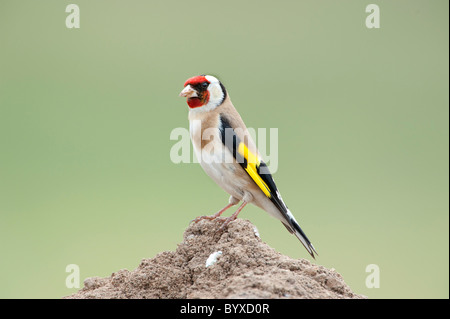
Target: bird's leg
(220, 212)
(233, 217)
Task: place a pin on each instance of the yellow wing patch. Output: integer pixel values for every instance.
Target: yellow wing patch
(252, 162)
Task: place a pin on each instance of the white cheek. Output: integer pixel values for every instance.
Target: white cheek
(215, 95)
(216, 92)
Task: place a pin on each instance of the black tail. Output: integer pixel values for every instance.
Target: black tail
(294, 228)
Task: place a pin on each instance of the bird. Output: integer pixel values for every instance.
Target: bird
(228, 155)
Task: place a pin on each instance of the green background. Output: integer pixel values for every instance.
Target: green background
(86, 115)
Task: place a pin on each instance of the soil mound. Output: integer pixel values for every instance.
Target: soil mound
(234, 263)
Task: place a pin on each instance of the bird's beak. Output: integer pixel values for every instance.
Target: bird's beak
(188, 91)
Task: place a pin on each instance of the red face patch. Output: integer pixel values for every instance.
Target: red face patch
(194, 102)
(196, 80)
(198, 84)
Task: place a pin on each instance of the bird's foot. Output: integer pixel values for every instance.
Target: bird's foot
(232, 217)
(227, 221)
(212, 217)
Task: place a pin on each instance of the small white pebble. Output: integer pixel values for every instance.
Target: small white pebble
(212, 259)
(255, 230)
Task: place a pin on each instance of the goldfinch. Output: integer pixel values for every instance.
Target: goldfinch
(227, 153)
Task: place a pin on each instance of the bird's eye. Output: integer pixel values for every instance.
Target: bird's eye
(205, 84)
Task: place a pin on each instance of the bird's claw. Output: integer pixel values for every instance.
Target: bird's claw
(226, 222)
(197, 219)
